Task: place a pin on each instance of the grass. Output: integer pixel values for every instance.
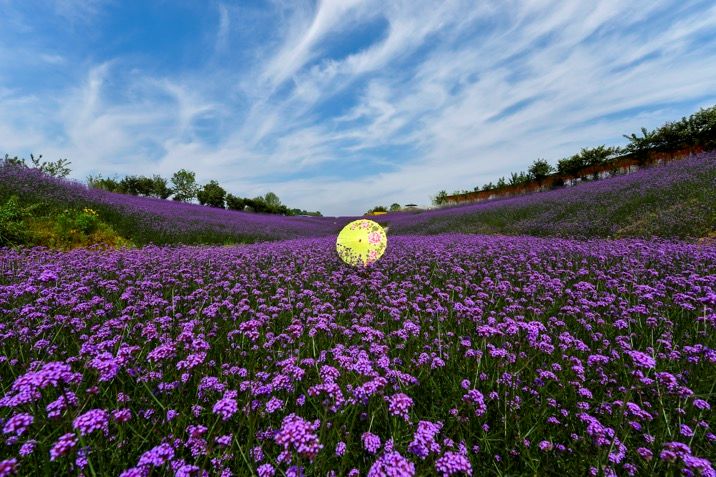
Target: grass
(676, 200)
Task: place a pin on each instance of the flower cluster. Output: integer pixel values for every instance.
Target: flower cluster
(298, 434)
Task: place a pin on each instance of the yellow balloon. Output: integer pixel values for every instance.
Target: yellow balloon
(361, 242)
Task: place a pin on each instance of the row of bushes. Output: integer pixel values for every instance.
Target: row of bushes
(155, 186)
(696, 131)
(184, 188)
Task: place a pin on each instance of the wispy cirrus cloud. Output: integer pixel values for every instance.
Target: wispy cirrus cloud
(340, 105)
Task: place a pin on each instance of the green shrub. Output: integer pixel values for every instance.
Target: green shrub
(13, 230)
(87, 221)
(71, 221)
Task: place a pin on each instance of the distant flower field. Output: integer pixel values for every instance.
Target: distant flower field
(146, 220)
(452, 355)
(675, 200)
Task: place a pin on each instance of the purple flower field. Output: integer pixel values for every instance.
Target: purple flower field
(674, 200)
(163, 221)
(452, 355)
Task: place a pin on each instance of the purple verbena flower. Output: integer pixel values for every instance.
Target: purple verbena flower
(452, 463)
(18, 424)
(297, 433)
(225, 407)
(157, 456)
(92, 420)
(62, 446)
(399, 405)
(266, 470)
(392, 464)
(8, 467)
(371, 442)
(423, 442)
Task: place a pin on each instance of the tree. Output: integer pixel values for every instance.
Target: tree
(257, 204)
(597, 155)
(639, 146)
(159, 188)
(440, 198)
(703, 127)
(212, 194)
(136, 185)
(104, 183)
(14, 161)
(57, 168)
(570, 166)
(273, 203)
(394, 207)
(539, 170)
(234, 203)
(184, 185)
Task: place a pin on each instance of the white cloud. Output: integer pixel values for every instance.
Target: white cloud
(222, 33)
(302, 42)
(460, 93)
(78, 11)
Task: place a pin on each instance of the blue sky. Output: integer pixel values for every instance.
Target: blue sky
(342, 105)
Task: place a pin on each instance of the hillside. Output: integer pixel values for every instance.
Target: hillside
(673, 200)
(146, 220)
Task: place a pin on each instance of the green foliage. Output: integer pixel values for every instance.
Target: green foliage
(272, 201)
(394, 207)
(160, 189)
(378, 208)
(440, 198)
(641, 143)
(519, 178)
(14, 161)
(540, 169)
(212, 194)
(257, 204)
(184, 185)
(599, 155)
(37, 225)
(573, 166)
(698, 130)
(13, 230)
(488, 186)
(72, 228)
(303, 212)
(702, 126)
(185, 189)
(69, 221)
(269, 204)
(136, 185)
(234, 203)
(103, 183)
(155, 186)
